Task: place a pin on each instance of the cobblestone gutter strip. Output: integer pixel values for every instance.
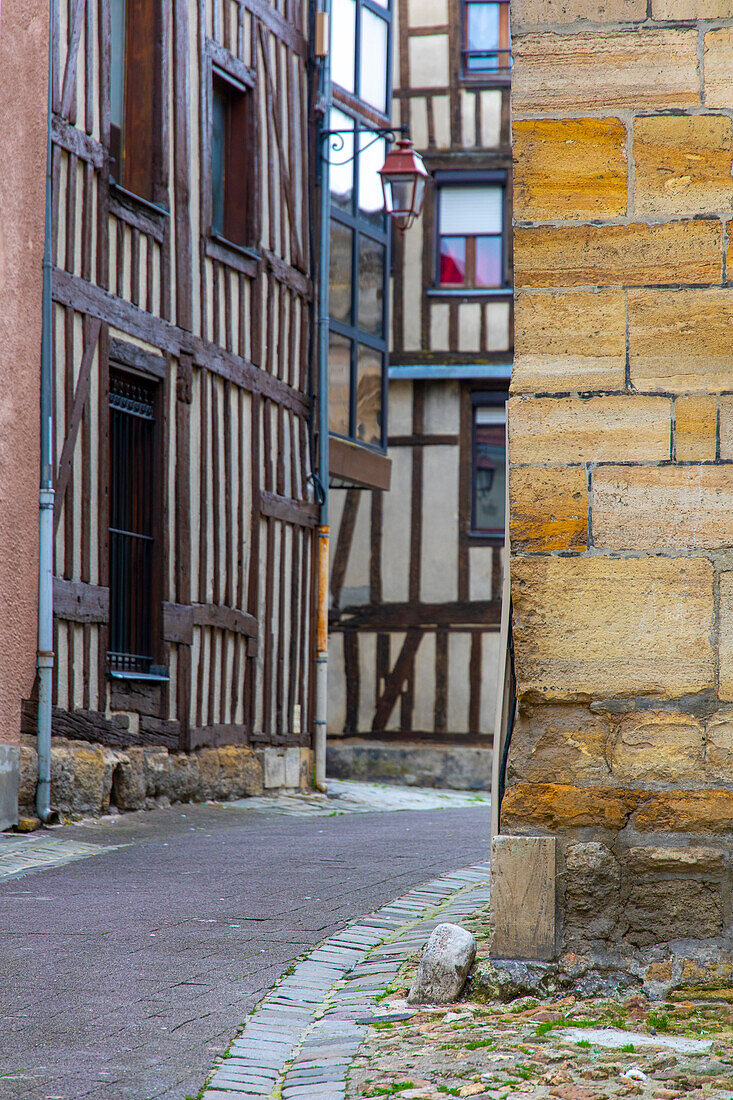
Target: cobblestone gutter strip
(298, 1044)
(21, 855)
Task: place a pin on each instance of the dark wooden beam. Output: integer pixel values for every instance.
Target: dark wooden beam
(80, 603)
(301, 512)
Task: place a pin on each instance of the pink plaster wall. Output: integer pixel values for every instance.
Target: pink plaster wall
(23, 91)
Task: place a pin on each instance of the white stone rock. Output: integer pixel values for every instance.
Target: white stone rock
(444, 966)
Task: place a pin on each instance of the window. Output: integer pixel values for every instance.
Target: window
(471, 237)
(358, 287)
(360, 50)
(131, 533)
(486, 37)
(231, 161)
(135, 107)
(488, 493)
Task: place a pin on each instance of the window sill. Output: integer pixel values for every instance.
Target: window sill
(486, 80)
(239, 256)
(357, 465)
(145, 677)
(458, 292)
(140, 213)
(483, 538)
(129, 197)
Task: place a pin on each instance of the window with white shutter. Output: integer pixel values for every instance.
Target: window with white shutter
(471, 250)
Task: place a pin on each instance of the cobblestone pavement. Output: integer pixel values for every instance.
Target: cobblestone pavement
(302, 1038)
(126, 974)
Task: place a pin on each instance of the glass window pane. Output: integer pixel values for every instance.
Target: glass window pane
(489, 470)
(373, 67)
(342, 245)
(219, 112)
(343, 43)
(452, 261)
(371, 159)
(339, 383)
(117, 86)
(341, 159)
(483, 34)
(369, 396)
(488, 261)
(371, 286)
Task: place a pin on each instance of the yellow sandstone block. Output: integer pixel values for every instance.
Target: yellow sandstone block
(559, 805)
(569, 168)
(600, 627)
(662, 507)
(619, 255)
(726, 428)
(682, 165)
(692, 9)
(543, 13)
(569, 342)
(685, 812)
(680, 340)
(697, 428)
(605, 71)
(718, 67)
(658, 747)
(549, 508)
(623, 428)
(725, 653)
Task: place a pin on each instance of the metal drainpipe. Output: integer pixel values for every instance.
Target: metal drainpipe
(45, 542)
(324, 242)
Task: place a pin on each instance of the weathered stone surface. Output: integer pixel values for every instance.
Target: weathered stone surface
(549, 508)
(682, 165)
(522, 912)
(699, 811)
(725, 405)
(552, 741)
(156, 763)
(657, 747)
(696, 428)
(597, 429)
(592, 892)
(671, 909)
(652, 859)
(605, 627)
(306, 769)
(444, 966)
(615, 255)
(692, 9)
(679, 339)
(574, 341)
(725, 645)
(569, 169)
(273, 765)
(546, 13)
(561, 806)
(605, 70)
(183, 777)
(507, 979)
(77, 777)
(128, 781)
(658, 508)
(719, 746)
(718, 67)
(28, 775)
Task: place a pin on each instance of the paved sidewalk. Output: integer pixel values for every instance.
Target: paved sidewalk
(299, 1043)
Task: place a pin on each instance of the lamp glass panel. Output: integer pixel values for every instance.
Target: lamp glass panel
(369, 395)
(340, 272)
(371, 286)
(339, 383)
(400, 190)
(343, 43)
(373, 60)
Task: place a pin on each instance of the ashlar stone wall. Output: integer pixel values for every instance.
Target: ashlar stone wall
(621, 450)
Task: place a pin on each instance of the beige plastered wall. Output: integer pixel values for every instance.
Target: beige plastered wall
(23, 90)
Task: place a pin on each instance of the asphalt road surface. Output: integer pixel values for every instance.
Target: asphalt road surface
(123, 975)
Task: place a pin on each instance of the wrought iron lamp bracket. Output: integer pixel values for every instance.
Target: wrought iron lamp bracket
(335, 140)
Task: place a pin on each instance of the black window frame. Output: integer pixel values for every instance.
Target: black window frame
(499, 75)
(384, 12)
(494, 399)
(473, 179)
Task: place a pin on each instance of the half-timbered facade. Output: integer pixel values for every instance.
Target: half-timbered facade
(182, 295)
(416, 572)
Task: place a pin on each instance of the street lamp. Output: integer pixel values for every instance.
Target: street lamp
(404, 176)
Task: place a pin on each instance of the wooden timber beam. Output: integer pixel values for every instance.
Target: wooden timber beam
(406, 616)
(78, 602)
(301, 512)
(396, 678)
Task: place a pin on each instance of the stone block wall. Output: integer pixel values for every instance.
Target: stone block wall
(621, 451)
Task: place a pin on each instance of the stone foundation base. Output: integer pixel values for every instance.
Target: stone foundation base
(89, 778)
(412, 763)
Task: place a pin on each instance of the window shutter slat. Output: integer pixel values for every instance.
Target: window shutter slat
(470, 210)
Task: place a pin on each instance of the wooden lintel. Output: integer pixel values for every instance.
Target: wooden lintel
(225, 618)
(352, 465)
(301, 512)
(232, 66)
(218, 734)
(178, 623)
(130, 355)
(78, 602)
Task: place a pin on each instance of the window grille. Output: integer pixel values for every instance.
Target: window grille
(131, 538)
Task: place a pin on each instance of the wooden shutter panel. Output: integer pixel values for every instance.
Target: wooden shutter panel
(142, 107)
